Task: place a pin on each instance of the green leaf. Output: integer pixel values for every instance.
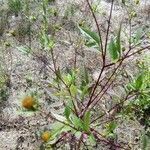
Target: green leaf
(145, 142)
(68, 79)
(91, 139)
(76, 121)
(113, 50)
(84, 91)
(25, 113)
(59, 117)
(86, 121)
(118, 43)
(24, 49)
(123, 1)
(139, 82)
(137, 36)
(46, 41)
(111, 127)
(91, 44)
(90, 34)
(57, 128)
(73, 90)
(58, 76)
(67, 112)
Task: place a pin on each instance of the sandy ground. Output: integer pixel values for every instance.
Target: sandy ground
(19, 131)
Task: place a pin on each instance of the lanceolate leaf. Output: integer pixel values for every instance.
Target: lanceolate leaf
(58, 75)
(86, 121)
(59, 117)
(118, 43)
(91, 44)
(67, 112)
(86, 75)
(112, 127)
(135, 39)
(24, 49)
(57, 127)
(90, 34)
(113, 50)
(76, 121)
(73, 90)
(145, 142)
(139, 82)
(92, 140)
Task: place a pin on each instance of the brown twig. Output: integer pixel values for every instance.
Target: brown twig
(103, 52)
(114, 107)
(104, 140)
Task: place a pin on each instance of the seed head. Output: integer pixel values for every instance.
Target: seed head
(45, 136)
(28, 102)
